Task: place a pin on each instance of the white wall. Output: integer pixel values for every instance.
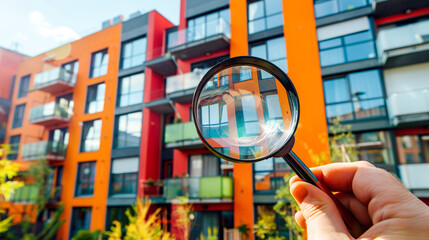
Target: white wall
(408, 78)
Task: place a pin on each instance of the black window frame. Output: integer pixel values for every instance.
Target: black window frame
(92, 67)
(368, 3)
(87, 191)
(24, 84)
(265, 43)
(352, 102)
(91, 97)
(264, 17)
(18, 116)
(74, 212)
(14, 143)
(116, 130)
(90, 123)
(123, 58)
(130, 92)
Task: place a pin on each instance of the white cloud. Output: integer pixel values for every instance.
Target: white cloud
(59, 34)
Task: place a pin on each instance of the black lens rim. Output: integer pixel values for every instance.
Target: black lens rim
(260, 63)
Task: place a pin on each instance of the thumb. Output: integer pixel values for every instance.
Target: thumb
(321, 216)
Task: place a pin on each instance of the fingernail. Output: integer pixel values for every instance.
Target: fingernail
(299, 193)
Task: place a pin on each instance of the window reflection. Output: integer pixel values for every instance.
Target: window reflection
(214, 120)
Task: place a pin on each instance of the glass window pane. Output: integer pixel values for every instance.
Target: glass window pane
(127, 50)
(281, 63)
(274, 21)
(256, 10)
(276, 48)
(325, 7)
(199, 28)
(336, 90)
(139, 46)
(273, 106)
(360, 51)
(266, 165)
(273, 6)
(259, 51)
(347, 5)
(256, 26)
(358, 37)
(365, 85)
(249, 108)
(332, 57)
(330, 43)
(343, 111)
(369, 108)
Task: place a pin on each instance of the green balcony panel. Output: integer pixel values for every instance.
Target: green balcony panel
(216, 187)
(173, 133)
(26, 194)
(189, 131)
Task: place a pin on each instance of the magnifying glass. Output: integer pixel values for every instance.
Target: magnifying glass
(246, 109)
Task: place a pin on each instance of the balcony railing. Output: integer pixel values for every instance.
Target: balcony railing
(184, 81)
(55, 80)
(205, 38)
(49, 150)
(51, 113)
(26, 194)
(413, 105)
(180, 133)
(218, 187)
(414, 176)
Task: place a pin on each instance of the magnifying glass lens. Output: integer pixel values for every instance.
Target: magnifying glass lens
(245, 113)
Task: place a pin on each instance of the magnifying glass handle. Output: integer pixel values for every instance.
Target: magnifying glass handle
(353, 225)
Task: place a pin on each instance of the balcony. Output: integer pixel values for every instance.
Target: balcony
(409, 108)
(51, 114)
(26, 194)
(48, 150)
(190, 42)
(414, 176)
(55, 80)
(182, 136)
(180, 88)
(404, 45)
(384, 8)
(203, 189)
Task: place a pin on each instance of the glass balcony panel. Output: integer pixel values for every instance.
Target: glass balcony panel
(180, 132)
(50, 110)
(408, 103)
(199, 187)
(403, 36)
(53, 76)
(184, 81)
(44, 150)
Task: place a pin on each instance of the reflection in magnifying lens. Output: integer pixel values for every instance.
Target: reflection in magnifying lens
(239, 109)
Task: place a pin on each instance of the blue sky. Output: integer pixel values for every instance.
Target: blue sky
(35, 26)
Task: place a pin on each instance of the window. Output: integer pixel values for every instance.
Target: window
(59, 139)
(118, 214)
(91, 133)
(99, 62)
(204, 165)
(375, 147)
(273, 50)
(80, 219)
(208, 25)
(267, 210)
(128, 130)
(249, 152)
(85, 179)
(324, 8)
(245, 73)
(272, 110)
(214, 120)
(14, 147)
(23, 86)
(70, 71)
(18, 116)
(355, 96)
(413, 149)
(95, 98)
(124, 176)
(204, 223)
(264, 15)
(131, 90)
(133, 53)
(269, 174)
(247, 117)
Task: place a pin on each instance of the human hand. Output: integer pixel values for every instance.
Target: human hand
(374, 196)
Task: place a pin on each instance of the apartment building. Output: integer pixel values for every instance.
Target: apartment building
(111, 112)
